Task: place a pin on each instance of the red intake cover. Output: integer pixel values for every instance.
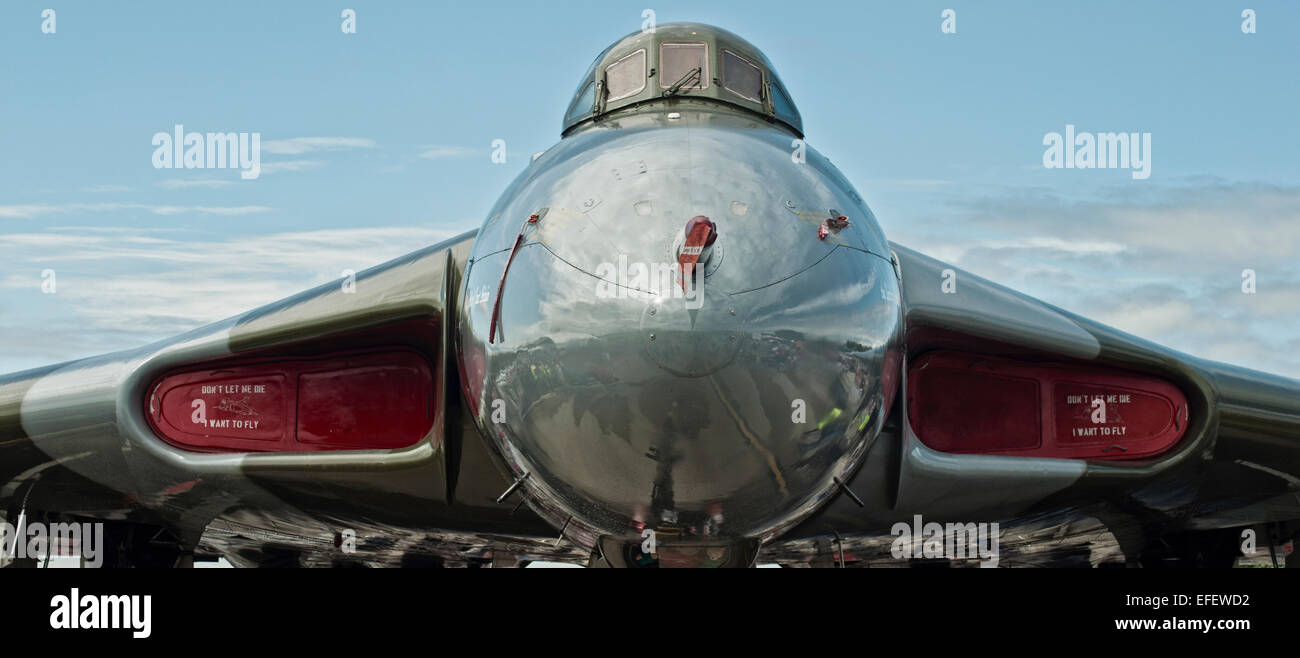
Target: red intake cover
(358, 401)
(968, 403)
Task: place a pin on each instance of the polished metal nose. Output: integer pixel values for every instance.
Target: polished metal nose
(697, 332)
(692, 342)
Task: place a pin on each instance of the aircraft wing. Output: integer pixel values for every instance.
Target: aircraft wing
(307, 444)
(1192, 449)
(997, 421)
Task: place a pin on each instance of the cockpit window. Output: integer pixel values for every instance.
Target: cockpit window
(678, 59)
(781, 104)
(696, 61)
(626, 77)
(741, 77)
(582, 103)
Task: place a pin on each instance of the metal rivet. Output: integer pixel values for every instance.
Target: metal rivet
(652, 336)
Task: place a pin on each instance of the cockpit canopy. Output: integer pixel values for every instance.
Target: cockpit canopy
(688, 60)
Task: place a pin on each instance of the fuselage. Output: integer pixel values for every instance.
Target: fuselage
(726, 414)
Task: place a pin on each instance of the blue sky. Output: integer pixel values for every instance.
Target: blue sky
(379, 142)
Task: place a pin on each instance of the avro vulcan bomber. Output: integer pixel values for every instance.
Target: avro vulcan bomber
(679, 339)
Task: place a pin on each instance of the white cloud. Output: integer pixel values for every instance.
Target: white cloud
(26, 211)
(289, 165)
(181, 183)
(119, 287)
(208, 210)
(31, 211)
(1147, 317)
(438, 152)
(1163, 263)
(300, 145)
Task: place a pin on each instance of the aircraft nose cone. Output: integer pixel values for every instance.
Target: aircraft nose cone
(692, 337)
(639, 393)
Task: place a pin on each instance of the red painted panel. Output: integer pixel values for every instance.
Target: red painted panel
(373, 406)
(997, 412)
(224, 405)
(969, 403)
(358, 401)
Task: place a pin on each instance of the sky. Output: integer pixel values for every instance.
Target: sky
(379, 142)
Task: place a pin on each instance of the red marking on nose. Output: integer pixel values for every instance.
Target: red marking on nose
(700, 220)
(501, 287)
(700, 233)
(835, 222)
